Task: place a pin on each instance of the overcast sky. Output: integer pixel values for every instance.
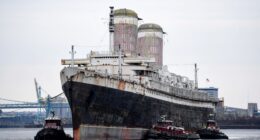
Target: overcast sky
(221, 36)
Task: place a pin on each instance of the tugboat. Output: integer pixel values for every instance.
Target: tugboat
(211, 131)
(52, 130)
(164, 129)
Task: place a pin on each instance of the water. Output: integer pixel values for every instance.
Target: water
(242, 134)
(29, 133)
(23, 133)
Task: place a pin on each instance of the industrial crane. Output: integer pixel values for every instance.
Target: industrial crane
(47, 102)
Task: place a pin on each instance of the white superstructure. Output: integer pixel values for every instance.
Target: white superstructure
(138, 76)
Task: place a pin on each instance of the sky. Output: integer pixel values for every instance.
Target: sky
(221, 36)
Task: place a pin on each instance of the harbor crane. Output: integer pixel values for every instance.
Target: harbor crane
(43, 105)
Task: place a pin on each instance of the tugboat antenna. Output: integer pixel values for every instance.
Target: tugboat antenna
(163, 117)
(53, 114)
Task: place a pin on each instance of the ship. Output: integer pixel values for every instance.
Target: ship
(127, 89)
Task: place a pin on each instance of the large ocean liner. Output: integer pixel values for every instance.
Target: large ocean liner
(128, 86)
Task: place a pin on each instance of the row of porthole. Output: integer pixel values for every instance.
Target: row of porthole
(156, 93)
(160, 94)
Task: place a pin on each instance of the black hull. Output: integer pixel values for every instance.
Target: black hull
(211, 134)
(51, 134)
(162, 136)
(97, 105)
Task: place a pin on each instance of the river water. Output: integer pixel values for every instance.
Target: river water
(29, 133)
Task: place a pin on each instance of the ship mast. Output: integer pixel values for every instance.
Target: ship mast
(111, 29)
(72, 56)
(196, 75)
(119, 63)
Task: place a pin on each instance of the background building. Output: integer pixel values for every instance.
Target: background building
(252, 109)
(212, 92)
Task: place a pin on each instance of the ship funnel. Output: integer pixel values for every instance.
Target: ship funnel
(125, 31)
(150, 42)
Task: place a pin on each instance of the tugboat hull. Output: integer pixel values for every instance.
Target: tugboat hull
(211, 134)
(51, 134)
(157, 135)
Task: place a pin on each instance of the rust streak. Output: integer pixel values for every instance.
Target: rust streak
(121, 85)
(125, 134)
(76, 135)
